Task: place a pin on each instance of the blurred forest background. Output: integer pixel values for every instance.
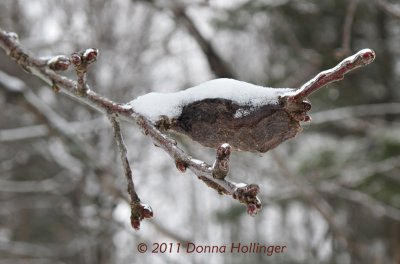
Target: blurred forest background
(331, 195)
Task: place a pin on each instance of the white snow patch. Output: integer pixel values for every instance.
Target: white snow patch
(242, 112)
(153, 105)
(225, 145)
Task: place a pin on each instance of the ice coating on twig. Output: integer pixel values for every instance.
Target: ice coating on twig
(154, 105)
(361, 58)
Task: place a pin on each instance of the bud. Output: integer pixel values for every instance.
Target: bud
(181, 166)
(59, 63)
(90, 55)
(76, 59)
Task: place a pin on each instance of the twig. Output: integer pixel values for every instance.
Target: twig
(221, 163)
(81, 61)
(139, 211)
(244, 193)
(361, 58)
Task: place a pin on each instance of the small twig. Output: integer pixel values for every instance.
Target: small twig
(43, 112)
(59, 63)
(81, 61)
(139, 211)
(361, 58)
(221, 163)
(244, 193)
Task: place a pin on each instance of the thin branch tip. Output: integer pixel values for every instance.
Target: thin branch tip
(81, 60)
(139, 210)
(361, 58)
(221, 163)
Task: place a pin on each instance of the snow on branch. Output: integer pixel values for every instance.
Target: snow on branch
(45, 70)
(245, 109)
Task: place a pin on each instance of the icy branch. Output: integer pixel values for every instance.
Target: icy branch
(139, 211)
(221, 164)
(81, 61)
(361, 58)
(213, 176)
(244, 193)
(45, 70)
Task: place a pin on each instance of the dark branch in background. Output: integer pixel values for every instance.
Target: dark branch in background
(217, 65)
(54, 122)
(213, 176)
(344, 50)
(392, 9)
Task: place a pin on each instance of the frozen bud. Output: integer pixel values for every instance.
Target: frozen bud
(13, 35)
(180, 165)
(76, 59)
(224, 151)
(253, 189)
(59, 63)
(135, 223)
(367, 55)
(90, 55)
(55, 88)
(252, 209)
(147, 211)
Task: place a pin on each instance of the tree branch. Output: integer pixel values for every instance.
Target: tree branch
(213, 176)
(139, 210)
(41, 68)
(361, 58)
